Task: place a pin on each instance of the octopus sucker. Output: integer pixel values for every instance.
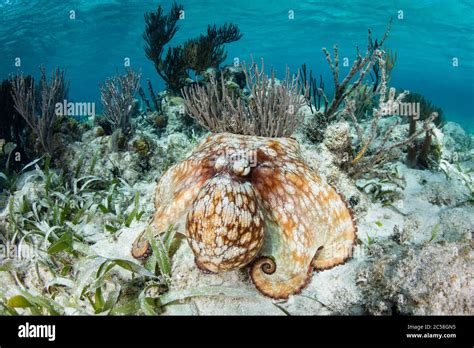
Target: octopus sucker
(244, 200)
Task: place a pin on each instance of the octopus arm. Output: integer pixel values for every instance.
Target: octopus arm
(304, 217)
(175, 193)
(340, 242)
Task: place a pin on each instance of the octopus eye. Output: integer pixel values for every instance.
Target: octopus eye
(241, 167)
(220, 163)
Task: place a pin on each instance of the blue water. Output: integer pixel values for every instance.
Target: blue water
(93, 46)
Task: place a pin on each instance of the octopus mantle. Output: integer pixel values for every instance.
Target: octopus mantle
(252, 200)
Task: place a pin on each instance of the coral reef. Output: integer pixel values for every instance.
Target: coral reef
(256, 210)
(113, 198)
(236, 209)
(143, 156)
(197, 54)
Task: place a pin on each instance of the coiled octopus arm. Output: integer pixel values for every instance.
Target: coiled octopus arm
(308, 225)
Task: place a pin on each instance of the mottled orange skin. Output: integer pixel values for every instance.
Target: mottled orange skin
(241, 198)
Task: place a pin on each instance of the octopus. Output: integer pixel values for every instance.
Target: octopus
(253, 201)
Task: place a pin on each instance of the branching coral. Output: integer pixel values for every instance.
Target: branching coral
(117, 95)
(342, 89)
(159, 30)
(154, 114)
(363, 161)
(156, 99)
(364, 100)
(361, 65)
(390, 59)
(315, 90)
(207, 51)
(12, 125)
(40, 115)
(355, 98)
(196, 54)
(418, 154)
(271, 110)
